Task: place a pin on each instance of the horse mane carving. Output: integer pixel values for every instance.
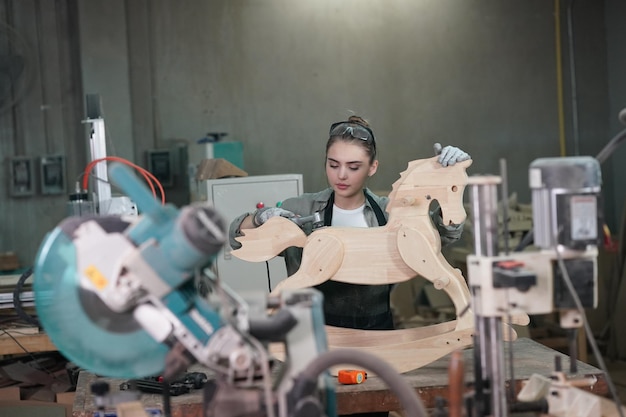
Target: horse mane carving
(408, 245)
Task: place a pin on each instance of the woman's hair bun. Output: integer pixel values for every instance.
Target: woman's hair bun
(358, 120)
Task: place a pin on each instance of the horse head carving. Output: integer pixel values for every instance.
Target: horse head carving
(425, 181)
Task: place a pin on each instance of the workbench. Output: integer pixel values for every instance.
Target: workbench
(430, 382)
(18, 343)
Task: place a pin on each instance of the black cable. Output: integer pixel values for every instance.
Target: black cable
(18, 343)
(411, 403)
(17, 301)
(610, 147)
(590, 337)
(512, 390)
(23, 315)
(8, 319)
(269, 279)
(528, 238)
(29, 353)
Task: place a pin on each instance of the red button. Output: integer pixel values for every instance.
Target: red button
(510, 264)
(260, 205)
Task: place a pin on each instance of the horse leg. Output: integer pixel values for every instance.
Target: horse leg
(418, 253)
(321, 259)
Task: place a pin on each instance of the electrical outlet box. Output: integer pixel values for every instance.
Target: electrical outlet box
(22, 177)
(52, 174)
(160, 164)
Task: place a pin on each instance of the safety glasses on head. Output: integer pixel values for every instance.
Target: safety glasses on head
(355, 130)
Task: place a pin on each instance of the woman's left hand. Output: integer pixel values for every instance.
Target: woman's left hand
(450, 155)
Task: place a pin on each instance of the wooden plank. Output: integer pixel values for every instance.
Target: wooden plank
(25, 343)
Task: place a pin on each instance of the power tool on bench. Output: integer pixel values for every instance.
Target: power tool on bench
(118, 298)
(316, 219)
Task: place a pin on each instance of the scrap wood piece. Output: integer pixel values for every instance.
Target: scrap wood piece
(218, 168)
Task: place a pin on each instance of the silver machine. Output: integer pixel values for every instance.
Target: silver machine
(559, 276)
(102, 202)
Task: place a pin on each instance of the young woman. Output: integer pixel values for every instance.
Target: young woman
(350, 161)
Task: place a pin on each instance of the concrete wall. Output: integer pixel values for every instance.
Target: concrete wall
(40, 115)
(480, 74)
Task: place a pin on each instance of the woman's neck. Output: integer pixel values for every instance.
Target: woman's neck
(350, 203)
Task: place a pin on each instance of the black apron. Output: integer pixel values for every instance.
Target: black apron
(344, 304)
(356, 306)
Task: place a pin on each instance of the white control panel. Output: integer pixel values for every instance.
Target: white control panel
(232, 197)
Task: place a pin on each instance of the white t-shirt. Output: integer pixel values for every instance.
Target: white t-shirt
(349, 218)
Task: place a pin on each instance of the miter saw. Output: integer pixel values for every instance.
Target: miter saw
(118, 298)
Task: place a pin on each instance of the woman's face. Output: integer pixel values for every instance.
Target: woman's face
(347, 168)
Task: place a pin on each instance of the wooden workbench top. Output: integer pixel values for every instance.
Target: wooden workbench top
(430, 382)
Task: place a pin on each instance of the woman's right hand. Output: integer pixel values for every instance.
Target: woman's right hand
(264, 214)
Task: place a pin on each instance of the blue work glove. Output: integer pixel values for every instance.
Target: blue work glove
(264, 214)
(450, 155)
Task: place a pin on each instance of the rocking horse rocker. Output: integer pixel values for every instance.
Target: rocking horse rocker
(408, 245)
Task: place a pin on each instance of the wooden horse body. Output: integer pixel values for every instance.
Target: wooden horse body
(408, 245)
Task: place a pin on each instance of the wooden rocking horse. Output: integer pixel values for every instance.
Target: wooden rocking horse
(408, 245)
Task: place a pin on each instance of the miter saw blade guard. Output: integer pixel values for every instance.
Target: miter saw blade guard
(79, 324)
